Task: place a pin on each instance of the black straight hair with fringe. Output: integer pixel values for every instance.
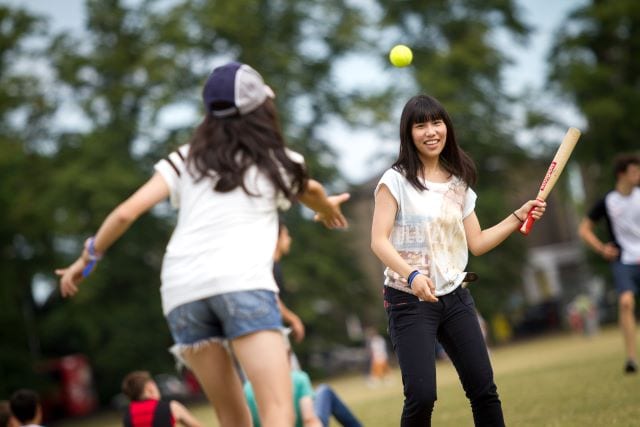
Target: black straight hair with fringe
(224, 148)
(420, 109)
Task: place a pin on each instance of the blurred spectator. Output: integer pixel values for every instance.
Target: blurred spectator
(146, 408)
(290, 318)
(583, 315)
(26, 408)
(6, 417)
(312, 408)
(379, 356)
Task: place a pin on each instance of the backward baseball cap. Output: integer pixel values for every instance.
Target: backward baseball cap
(234, 89)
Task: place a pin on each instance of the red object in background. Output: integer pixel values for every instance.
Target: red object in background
(70, 392)
(190, 380)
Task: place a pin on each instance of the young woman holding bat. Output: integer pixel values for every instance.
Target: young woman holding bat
(424, 225)
(217, 279)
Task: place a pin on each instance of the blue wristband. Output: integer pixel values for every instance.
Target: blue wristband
(94, 257)
(89, 268)
(412, 276)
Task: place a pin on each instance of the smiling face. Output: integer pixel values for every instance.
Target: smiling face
(429, 138)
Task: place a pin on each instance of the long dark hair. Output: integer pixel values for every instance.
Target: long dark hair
(420, 109)
(224, 148)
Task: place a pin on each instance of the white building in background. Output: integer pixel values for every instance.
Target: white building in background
(551, 268)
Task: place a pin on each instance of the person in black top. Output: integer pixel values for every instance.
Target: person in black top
(620, 208)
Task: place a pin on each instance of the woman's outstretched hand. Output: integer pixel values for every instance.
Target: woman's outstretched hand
(70, 277)
(332, 217)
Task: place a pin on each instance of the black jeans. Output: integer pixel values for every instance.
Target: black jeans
(414, 327)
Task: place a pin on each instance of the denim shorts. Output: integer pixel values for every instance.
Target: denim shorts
(626, 277)
(224, 317)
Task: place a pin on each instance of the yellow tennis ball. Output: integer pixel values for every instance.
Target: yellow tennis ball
(400, 55)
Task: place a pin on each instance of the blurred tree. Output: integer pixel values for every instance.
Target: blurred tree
(457, 60)
(114, 79)
(595, 64)
(25, 223)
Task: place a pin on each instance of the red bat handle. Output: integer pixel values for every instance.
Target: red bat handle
(527, 225)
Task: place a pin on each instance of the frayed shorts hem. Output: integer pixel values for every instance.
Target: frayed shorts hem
(177, 350)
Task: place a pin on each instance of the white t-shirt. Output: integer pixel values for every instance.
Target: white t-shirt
(624, 215)
(223, 242)
(428, 232)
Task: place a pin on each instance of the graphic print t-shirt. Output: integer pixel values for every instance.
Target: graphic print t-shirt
(428, 232)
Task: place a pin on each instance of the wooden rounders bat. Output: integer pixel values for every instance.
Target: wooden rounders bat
(553, 173)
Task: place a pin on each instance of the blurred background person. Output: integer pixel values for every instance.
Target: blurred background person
(378, 356)
(620, 209)
(283, 246)
(26, 408)
(146, 408)
(312, 408)
(6, 417)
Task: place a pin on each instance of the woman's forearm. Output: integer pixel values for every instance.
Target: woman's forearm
(390, 257)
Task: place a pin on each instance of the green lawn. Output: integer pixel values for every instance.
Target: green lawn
(563, 380)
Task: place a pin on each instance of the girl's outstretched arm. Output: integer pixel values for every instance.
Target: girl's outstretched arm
(482, 241)
(116, 223)
(327, 208)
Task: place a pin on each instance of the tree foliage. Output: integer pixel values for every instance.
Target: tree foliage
(25, 224)
(595, 64)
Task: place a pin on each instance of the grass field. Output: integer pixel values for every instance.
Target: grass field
(561, 380)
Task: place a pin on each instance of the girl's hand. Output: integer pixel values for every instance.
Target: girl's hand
(424, 288)
(297, 328)
(539, 206)
(70, 277)
(332, 217)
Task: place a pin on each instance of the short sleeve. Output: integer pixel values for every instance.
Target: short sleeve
(295, 156)
(172, 168)
(302, 384)
(282, 202)
(598, 211)
(391, 179)
(470, 198)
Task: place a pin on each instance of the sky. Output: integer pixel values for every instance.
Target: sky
(363, 152)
